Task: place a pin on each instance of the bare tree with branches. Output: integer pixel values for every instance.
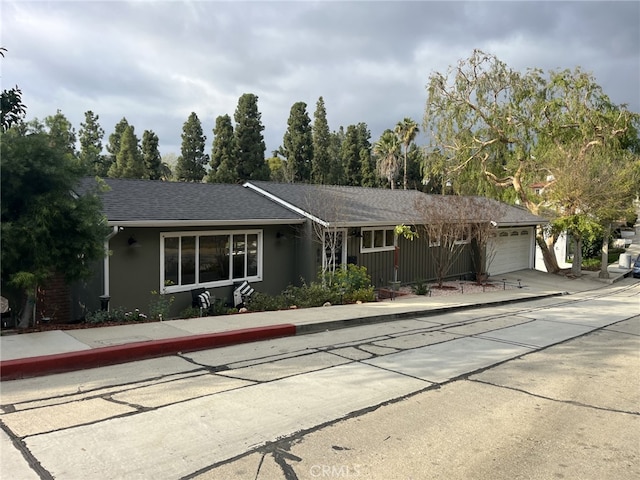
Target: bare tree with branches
(449, 223)
(329, 210)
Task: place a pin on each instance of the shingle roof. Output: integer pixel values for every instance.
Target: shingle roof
(149, 202)
(360, 206)
(156, 203)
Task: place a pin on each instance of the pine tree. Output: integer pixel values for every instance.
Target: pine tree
(192, 161)
(128, 162)
(151, 155)
(367, 162)
(113, 147)
(336, 165)
(298, 143)
(351, 157)
(321, 163)
(356, 156)
(62, 135)
(223, 152)
(251, 164)
(91, 135)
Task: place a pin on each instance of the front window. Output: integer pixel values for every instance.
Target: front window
(209, 259)
(377, 240)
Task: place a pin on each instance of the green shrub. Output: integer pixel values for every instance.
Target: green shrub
(420, 288)
(99, 316)
(591, 264)
(115, 315)
(366, 294)
(343, 286)
(190, 312)
(261, 302)
(313, 295)
(349, 279)
(159, 305)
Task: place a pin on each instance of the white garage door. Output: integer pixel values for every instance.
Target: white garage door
(512, 250)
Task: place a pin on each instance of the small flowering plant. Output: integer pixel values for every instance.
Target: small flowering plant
(115, 315)
(135, 316)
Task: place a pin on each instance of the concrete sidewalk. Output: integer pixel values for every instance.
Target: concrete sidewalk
(43, 353)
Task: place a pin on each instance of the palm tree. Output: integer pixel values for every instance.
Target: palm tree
(387, 149)
(406, 130)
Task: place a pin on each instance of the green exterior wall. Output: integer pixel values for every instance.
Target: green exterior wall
(414, 262)
(291, 254)
(135, 271)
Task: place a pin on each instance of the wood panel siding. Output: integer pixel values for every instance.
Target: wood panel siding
(415, 262)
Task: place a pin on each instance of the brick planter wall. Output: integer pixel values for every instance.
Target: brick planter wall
(54, 300)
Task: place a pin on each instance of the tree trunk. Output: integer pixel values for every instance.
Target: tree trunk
(27, 313)
(548, 255)
(576, 266)
(604, 258)
(405, 169)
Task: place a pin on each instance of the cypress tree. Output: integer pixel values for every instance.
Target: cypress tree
(298, 143)
(192, 161)
(113, 147)
(90, 136)
(251, 164)
(321, 163)
(224, 155)
(151, 155)
(128, 162)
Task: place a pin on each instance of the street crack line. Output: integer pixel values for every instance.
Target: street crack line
(556, 400)
(135, 406)
(364, 362)
(281, 457)
(31, 460)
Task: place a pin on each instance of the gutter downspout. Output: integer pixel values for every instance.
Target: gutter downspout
(106, 279)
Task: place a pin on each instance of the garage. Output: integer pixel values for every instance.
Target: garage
(511, 250)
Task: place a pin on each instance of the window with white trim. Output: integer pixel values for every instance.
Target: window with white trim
(209, 259)
(377, 240)
(463, 238)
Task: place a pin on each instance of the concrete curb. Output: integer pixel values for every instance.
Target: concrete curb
(112, 355)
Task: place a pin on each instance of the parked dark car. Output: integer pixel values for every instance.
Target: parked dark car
(635, 268)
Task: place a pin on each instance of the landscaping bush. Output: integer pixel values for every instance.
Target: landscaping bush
(190, 312)
(313, 295)
(261, 302)
(366, 294)
(159, 305)
(420, 288)
(348, 280)
(115, 315)
(350, 285)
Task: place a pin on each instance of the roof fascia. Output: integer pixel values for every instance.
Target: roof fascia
(522, 224)
(202, 223)
(285, 204)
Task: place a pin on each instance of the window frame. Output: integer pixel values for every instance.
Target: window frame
(179, 287)
(385, 247)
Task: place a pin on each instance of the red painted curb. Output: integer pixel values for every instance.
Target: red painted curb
(100, 357)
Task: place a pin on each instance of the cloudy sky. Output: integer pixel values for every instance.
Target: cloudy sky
(155, 62)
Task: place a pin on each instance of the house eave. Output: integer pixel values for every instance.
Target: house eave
(521, 224)
(202, 223)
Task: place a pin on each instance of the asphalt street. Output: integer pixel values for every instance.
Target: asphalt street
(197, 414)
